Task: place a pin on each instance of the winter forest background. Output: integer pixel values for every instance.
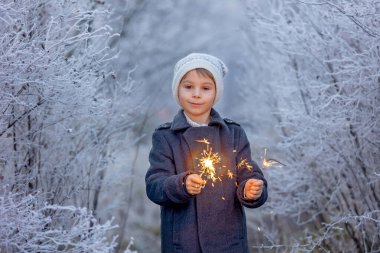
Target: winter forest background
(84, 83)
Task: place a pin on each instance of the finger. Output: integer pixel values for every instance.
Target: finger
(253, 196)
(255, 190)
(193, 185)
(197, 179)
(255, 193)
(255, 187)
(195, 191)
(193, 188)
(191, 180)
(250, 182)
(196, 186)
(257, 182)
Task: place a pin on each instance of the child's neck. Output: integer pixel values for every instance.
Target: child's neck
(202, 120)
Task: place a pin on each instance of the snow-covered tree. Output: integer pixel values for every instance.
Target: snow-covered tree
(62, 113)
(322, 65)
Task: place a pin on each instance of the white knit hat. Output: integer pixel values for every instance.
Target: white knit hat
(197, 60)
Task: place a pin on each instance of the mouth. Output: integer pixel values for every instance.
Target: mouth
(195, 104)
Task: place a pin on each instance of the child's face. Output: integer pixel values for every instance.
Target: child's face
(196, 94)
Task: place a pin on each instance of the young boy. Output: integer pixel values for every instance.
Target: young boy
(201, 172)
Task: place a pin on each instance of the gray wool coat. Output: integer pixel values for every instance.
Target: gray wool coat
(213, 221)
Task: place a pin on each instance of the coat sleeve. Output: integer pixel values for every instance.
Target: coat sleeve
(163, 186)
(247, 169)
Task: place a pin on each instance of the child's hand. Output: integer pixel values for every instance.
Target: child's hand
(253, 189)
(194, 184)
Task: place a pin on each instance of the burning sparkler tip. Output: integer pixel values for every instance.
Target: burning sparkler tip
(272, 163)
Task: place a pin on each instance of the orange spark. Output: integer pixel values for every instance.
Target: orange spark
(204, 140)
(230, 174)
(244, 163)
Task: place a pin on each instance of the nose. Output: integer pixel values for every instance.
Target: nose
(196, 93)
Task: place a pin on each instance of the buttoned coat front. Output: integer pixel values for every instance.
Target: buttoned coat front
(214, 220)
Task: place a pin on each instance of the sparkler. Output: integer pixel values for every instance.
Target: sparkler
(207, 162)
(210, 168)
(269, 162)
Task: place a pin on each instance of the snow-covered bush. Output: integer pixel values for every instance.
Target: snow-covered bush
(322, 65)
(62, 113)
(26, 226)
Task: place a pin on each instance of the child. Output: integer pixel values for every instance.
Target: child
(201, 199)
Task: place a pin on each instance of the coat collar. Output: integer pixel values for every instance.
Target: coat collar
(180, 122)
